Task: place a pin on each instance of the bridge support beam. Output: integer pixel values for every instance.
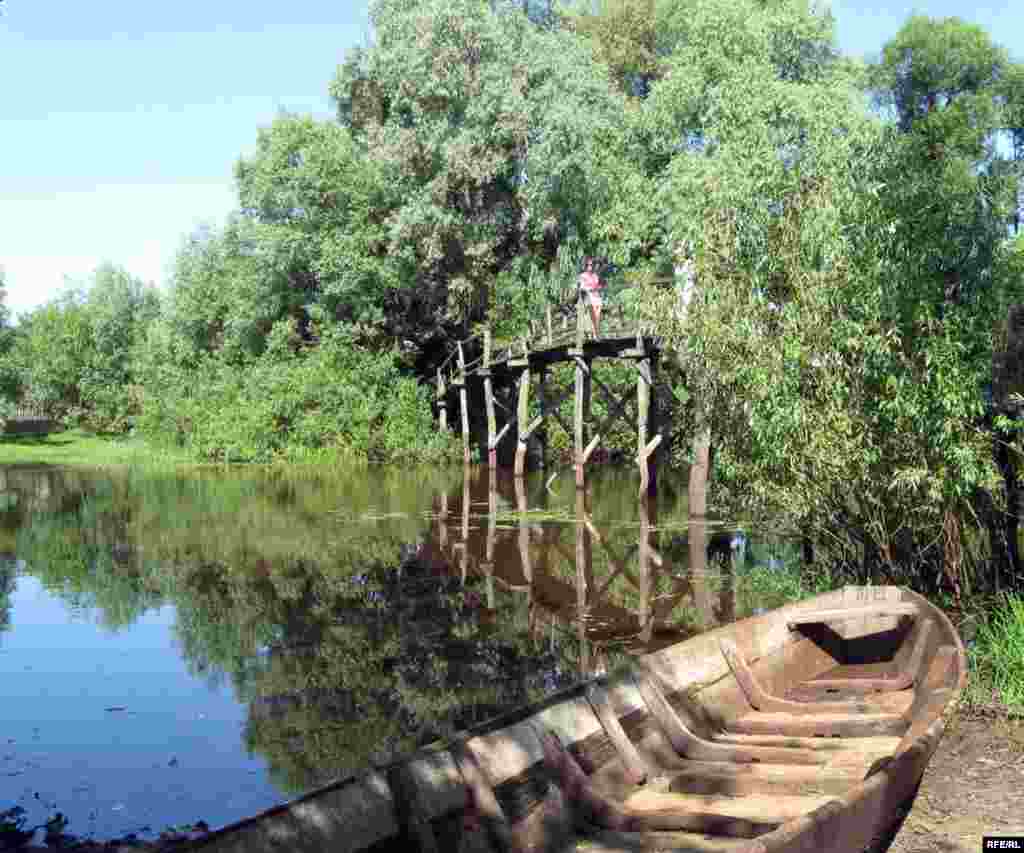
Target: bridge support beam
(581, 415)
(464, 403)
(647, 417)
(442, 403)
(492, 422)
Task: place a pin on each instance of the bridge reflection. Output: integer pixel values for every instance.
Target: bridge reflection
(629, 586)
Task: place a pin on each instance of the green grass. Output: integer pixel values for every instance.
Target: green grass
(997, 657)
(81, 448)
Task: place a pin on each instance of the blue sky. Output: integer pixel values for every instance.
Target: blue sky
(120, 122)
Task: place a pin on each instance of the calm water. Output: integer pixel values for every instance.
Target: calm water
(200, 646)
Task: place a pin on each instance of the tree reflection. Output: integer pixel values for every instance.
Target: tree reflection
(354, 625)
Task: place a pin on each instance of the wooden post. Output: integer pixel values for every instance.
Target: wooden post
(464, 403)
(550, 337)
(523, 415)
(492, 424)
(578, 417)
(654, 414)
(442, 404)
(643, 407)
(581, 311)
(542, 434)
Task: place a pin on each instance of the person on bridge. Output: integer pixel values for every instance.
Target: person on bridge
(591, 285)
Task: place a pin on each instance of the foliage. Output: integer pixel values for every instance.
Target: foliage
(329, 399)
(846, 406)
(74, 356)
(998, 653)
(490, 129)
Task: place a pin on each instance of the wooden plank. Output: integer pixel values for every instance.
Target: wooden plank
(891, 608)
(687, 744)
(464, 404)
(643, 406)
(633, 764)
(536, 422)
(442, 405)
(818, 725)
(760, 699)
(578, 415)
(482, 801)
(409, 810)
(492, 445)
(720, 777)
(600, 840)
(522, 415)
(648, 810)
(715, 813)
(492, 453)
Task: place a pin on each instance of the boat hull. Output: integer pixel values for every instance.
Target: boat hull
(803, 729)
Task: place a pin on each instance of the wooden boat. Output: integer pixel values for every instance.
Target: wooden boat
(803, 729)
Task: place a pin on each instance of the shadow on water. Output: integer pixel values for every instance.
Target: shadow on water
(347, 617)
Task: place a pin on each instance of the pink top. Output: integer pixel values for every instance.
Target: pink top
(589, 281)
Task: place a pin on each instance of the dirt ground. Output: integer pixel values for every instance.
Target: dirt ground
(973, 786)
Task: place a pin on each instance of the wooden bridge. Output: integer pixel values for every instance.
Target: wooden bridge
(573, 340)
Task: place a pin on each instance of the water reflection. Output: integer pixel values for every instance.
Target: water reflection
(607, 586)
(346, 617)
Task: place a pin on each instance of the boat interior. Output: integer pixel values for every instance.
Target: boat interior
(748, 738)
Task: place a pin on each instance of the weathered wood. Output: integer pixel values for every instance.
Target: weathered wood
(492, 428)
(636, 770)
(550, 336)
(577, 423)
(442, 404)
(616, 406)
(491, 791)
(542, 403)
(818, 725)
(482, 800)
(812, 617)
(464, 404)
(643, 406)
(581, 313)
(687, 744)
(493, 445)
(655, 425)
(760, 699)
(532, 426)
(523, 413)
(409, 810)
(652, 810)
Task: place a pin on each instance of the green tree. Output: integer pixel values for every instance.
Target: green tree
(839, 377)
(491, 132)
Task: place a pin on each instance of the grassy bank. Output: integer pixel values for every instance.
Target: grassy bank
(79, 447)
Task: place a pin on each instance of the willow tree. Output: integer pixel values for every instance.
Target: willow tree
(490, 130)
(835, 411)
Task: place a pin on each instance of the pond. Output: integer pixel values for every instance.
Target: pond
(197, 646)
